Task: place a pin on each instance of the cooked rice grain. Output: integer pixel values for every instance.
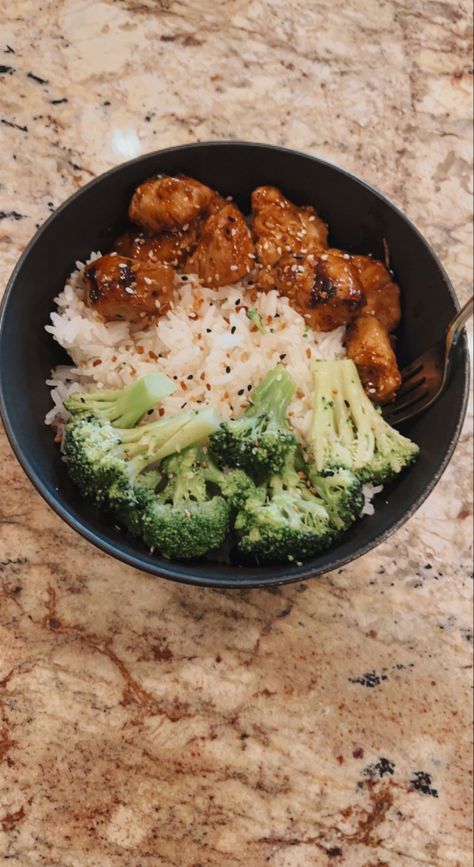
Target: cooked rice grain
(206, 343)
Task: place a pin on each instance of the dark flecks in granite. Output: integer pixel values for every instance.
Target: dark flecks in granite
(36, 78)
(421, 782)
(8, 50)
(369, 679)
(12, 564)
(13, 125)
(58, 101)
(384, 767)
(6, 70)
(11, 215)
(334, 852)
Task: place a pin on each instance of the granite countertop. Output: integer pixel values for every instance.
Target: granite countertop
(146, 723)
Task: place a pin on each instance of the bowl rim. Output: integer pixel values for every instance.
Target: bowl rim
(250, 575)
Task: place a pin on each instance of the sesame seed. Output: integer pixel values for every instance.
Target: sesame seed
(346, 256)
(237, 302)
(148, 281)
(234, 267)
(251, 255)
(228, 369)
(184, 277)
(209, 330)
(129, 290)
(186, 226)
(183, 404)
(233, 329)
(190, 376)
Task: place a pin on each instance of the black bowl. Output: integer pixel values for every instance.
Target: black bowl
(360, 218)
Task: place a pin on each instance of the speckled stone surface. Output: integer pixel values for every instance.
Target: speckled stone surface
(143, 723)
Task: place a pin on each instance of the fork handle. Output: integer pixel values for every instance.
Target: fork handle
(456, 326)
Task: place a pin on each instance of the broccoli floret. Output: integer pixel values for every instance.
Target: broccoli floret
(259, 440)
(349, 432)
(107, 462)
(129, 504)
(125, 406)
(256, 319)
(342, 495)
(191, 514)
(284, 520)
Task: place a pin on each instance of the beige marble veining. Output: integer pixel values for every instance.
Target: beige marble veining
(146, 723)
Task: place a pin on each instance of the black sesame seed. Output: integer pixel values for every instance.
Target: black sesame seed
(227, 370)
(240, 391)
(175, 377)
(184, 278)
(282, 356)
(183, 404)
(233, 329)
(249, 387)
(190, 376)
(237, 302)
(208, 330)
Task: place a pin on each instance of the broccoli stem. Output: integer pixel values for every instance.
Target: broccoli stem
(123, 408)
(348, 432)
(273, 395)
(151, 443)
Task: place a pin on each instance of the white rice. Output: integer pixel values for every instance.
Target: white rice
(205, 343)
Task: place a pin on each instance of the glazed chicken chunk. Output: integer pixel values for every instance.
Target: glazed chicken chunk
(170, 247)
(281, 227)
(368, 344)
(121, 288)
(382, 295)
(168, 203)
(225, 252)
(325, 289)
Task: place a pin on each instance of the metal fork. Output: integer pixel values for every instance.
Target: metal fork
(426, 377)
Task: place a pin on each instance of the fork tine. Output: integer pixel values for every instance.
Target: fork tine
(414, 403)
(410, 385)
(412, 369)
(411, 399)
